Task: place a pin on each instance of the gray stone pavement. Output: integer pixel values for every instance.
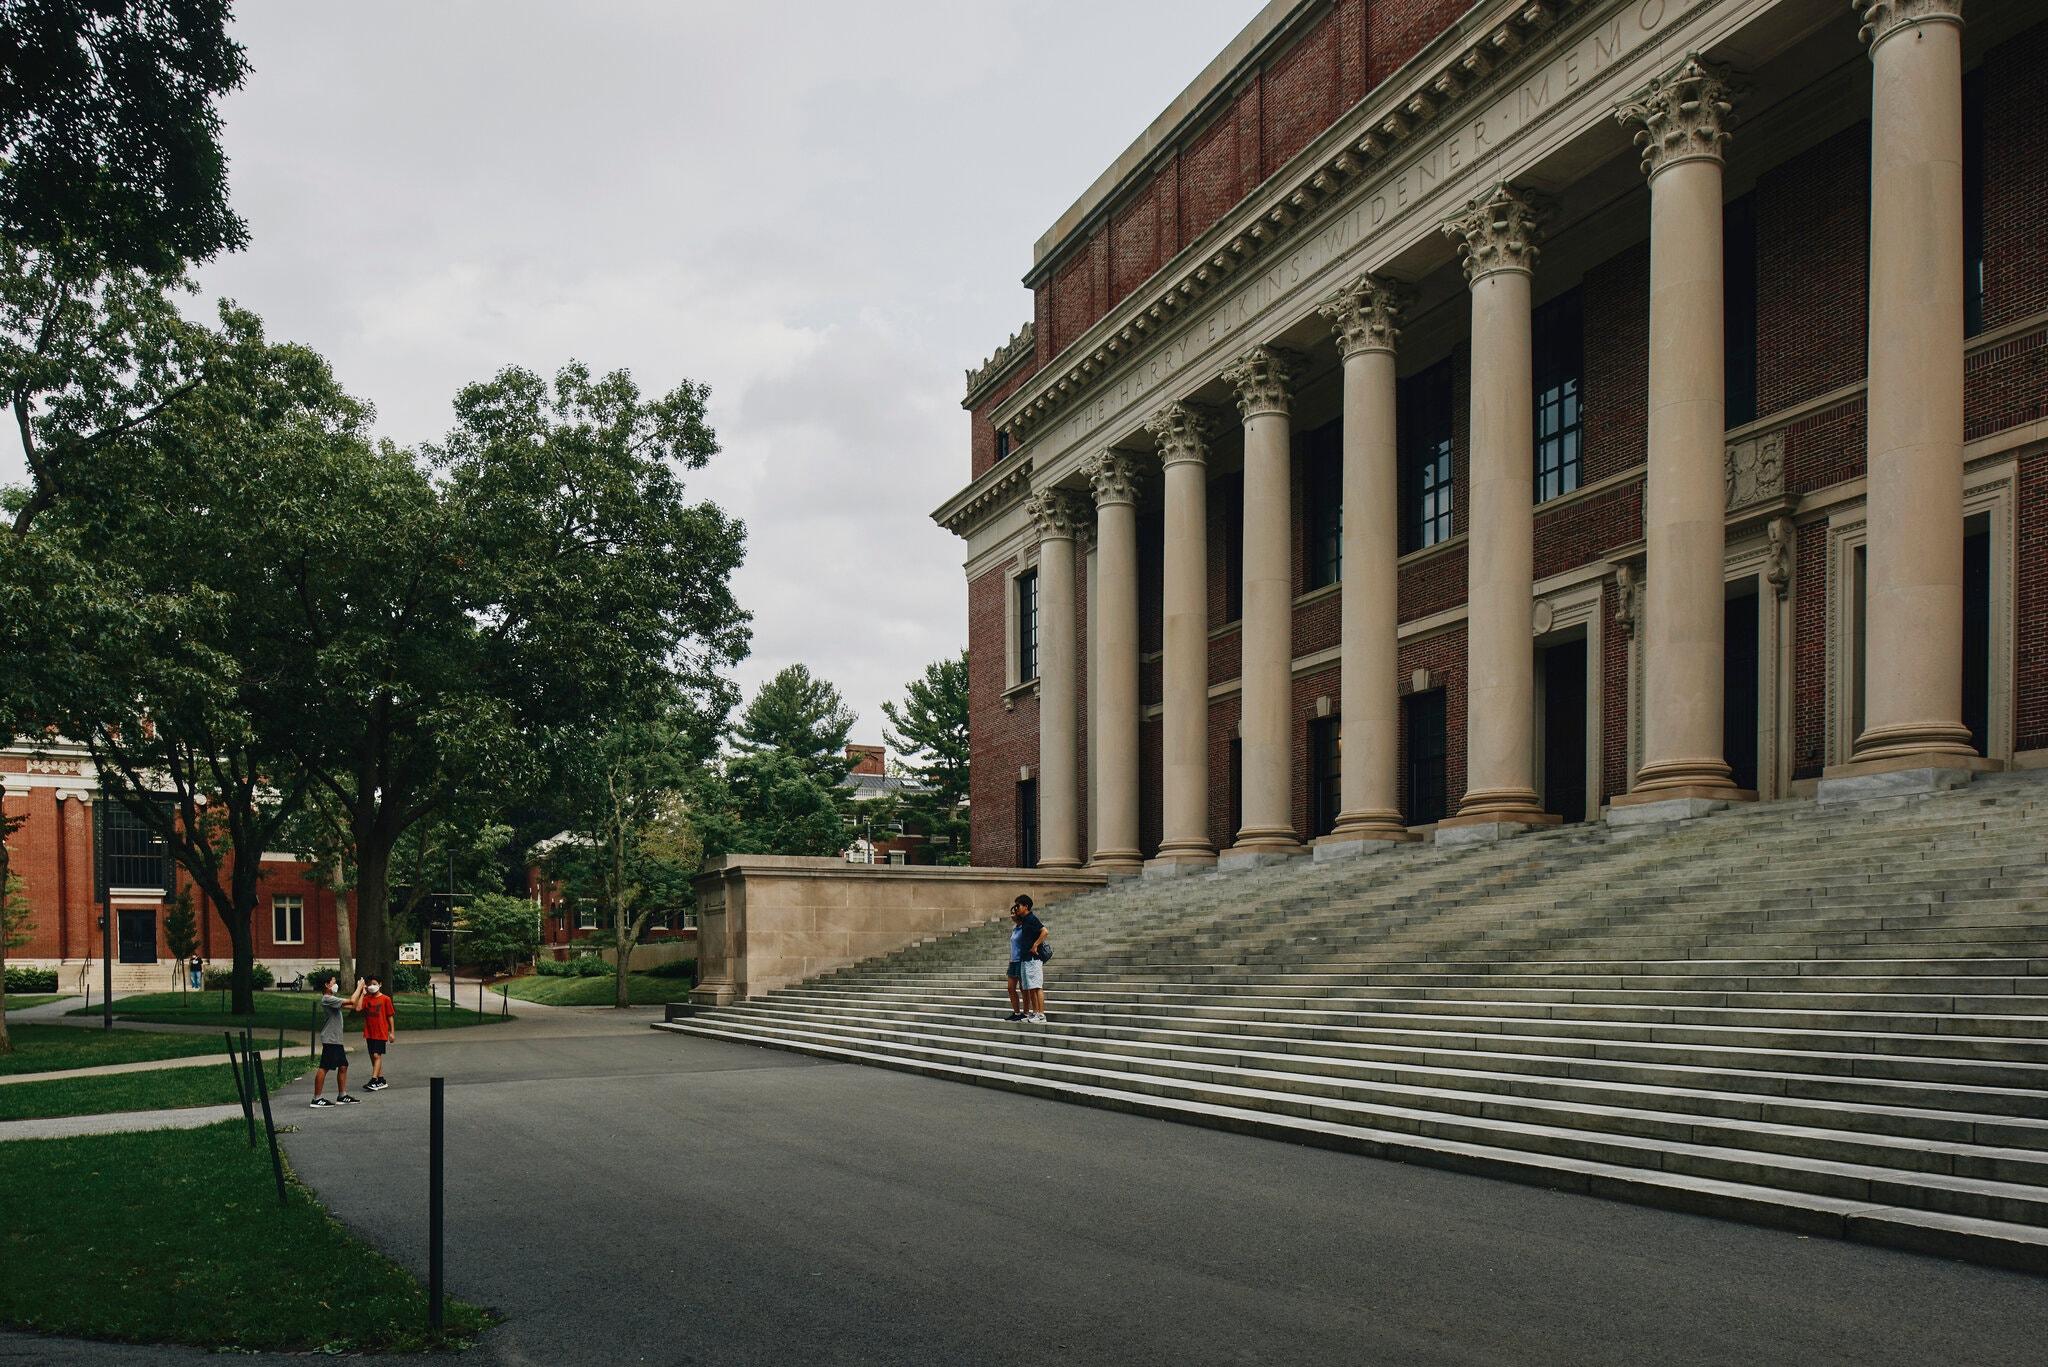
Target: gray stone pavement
(627, 1196)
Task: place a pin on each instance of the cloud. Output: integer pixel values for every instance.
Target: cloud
(821, 210)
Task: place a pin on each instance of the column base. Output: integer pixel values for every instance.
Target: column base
(1180, 863)
(1653, 809)
(1861, 780)
(1705, 780)
(1918, 745)
(1117, 864)
(714, 994)
(1343, 844)
(1062, 863)
(1499, 806)
(1259, 850)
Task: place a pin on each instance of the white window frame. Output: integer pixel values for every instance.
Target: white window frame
(586, 916)
(289, 905)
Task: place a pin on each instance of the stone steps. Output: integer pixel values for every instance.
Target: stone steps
(1827, 1019)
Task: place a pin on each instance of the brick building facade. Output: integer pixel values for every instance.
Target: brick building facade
(52, 791)
(1308, 177)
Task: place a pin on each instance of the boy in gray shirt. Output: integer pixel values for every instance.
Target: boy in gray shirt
(333, 1053)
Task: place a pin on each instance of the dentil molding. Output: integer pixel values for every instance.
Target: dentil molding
(1682, 115)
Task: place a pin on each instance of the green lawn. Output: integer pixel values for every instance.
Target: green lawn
(646, 989)
(162, 1089)
(21, 1003)
(177, 1236)
(292, 1010)
(48, 1048)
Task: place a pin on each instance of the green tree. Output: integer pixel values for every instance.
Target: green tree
(930, 734)
(109, 138)
(163, 600)
(16, 921)
(181, 930)
(632, 848)
(550, 571)
(767, 803)
(802, 716)
(496, 930)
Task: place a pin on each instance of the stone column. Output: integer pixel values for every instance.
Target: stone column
(1683, 118)
(1059, 513)
(1183, 432)
(1366, 317)
(1263, 378)
(1497, 236)
(1114, 692)
(1913, 702)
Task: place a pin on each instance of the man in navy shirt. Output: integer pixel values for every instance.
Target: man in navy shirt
(1029, 969)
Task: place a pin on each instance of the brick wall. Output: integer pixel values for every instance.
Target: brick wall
(981, 432)
(2030, 656)
(1002, 735)
(1613, 665)
(1616, 300)
(1443, 655)
(1809, 651)
(1813, 268)
(2015, 76)
(1396, 32)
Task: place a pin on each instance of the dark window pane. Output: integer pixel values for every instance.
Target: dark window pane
(1426, 428)
(1325, 759)
(1559, 358)
(137, 857)
(1423, 715)
(1739, 308)
(1027, 626)
(1323, 506)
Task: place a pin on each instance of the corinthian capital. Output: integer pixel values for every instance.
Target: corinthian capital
(1499, 231)
(1366, 314)
(1682, 115)
(1183, 432)
(1113, 476)
(1058, 513)
(1264, 379)
(1882, 18)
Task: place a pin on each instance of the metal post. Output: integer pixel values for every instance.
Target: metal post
(241, 1085)
(436, 1149)
(280, 1055)
(270, 1128)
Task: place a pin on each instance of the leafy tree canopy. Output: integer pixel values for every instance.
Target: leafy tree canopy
(801, 716)
(768, 803)
(109, 138)
(495, 929)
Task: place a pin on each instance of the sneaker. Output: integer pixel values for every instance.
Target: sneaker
(1036, 1018)
(1014, 1016)
(375, 1084)
(346, 1100)
(319, 1101)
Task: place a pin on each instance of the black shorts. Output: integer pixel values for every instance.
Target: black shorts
(333, 1056)
(1013, 970)
(376, 1046)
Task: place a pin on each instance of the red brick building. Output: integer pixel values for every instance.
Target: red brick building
(1424, 304)
(53, 790)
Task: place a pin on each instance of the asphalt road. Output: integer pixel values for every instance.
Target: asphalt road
(623, 1195)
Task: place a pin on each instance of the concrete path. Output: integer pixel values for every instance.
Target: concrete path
(108, 1069)
(704, 1203)
(119, 1122)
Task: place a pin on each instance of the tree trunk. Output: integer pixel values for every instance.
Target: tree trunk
(626, 938)
(241, 933)
(6, 867)
(373, 947)
(344, 942)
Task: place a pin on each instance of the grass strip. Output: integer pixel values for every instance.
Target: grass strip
(168, 1089)
(646, 989)
(198, 1253)
(291, 1010)
(49, 1048)
(17, 1002)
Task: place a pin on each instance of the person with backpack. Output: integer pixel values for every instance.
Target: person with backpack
(1032, 947)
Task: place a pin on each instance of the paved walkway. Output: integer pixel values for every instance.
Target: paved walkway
(119, 1122)
(703, 1202)
(148, 1065)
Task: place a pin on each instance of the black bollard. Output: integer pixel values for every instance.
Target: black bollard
(436, 1147)
(270, 1128)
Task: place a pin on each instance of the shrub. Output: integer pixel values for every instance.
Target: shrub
(220, 979)
(31, 980)
(409, 978)
(676, 968)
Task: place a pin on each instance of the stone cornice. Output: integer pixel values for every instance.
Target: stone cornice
(1264, 379)
(985, 497)
(1882, 18)
(1493, 40)
(1366, 314)
(1023, 342)
(1113, 477)
(1682, 115)
(1500, 231)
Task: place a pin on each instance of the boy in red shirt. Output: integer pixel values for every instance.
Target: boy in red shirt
(380, 1018)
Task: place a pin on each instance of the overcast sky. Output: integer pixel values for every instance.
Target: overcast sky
(822, 209)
